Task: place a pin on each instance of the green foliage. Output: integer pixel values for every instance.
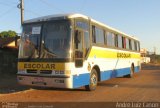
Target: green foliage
(4, 34)
(9, 33)
(12, 33)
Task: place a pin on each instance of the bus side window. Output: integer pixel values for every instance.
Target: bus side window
(86, 42)
(124, 42)
(93, 34)
(105, 38)
(99, 34)
(116, 40)
(130, 46)
(127, 43)
(138, 44)
(135, 44)
(110, 39)
(120, 41)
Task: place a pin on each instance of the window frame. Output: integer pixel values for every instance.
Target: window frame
(120, 41)
(115, 38)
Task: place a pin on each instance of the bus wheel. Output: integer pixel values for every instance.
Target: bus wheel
(93, 81)
(131, 72)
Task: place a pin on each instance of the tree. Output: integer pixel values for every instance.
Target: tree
(4, 34)
(9, 33)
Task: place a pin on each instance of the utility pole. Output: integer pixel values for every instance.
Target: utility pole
(155, 50)
(21, 7)
(22, 11)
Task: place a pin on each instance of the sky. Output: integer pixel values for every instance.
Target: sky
(139, 18)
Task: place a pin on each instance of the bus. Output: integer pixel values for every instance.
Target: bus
(74, 50)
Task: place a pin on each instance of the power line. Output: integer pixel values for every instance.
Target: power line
(1, 3)
(7, 4)
(8, 11)
(34, 13)
(50, 5)
(13, 2)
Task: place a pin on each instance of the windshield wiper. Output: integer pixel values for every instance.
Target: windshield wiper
(46, 52)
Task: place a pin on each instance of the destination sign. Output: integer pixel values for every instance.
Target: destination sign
(39, 66)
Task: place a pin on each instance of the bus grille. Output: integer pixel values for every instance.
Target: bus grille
(46, 72)
(31, 71)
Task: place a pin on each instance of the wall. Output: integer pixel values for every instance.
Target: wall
(8, 61)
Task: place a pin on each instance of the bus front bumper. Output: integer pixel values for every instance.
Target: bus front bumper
(45, 81)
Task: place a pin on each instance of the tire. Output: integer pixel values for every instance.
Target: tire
(93, 81)
(131, 72)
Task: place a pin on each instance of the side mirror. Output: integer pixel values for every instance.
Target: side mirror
(79, 62)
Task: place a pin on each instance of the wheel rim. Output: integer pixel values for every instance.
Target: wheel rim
(93, 80)
(132, 70)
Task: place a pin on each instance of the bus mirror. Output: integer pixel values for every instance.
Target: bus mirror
(79, 62)
(77, 36)
(78, 54)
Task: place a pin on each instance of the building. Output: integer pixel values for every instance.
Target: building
(9, 42)
(145, 56)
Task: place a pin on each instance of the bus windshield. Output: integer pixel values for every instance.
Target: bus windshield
(47, 40)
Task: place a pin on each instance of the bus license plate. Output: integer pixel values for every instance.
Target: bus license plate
(39, 81)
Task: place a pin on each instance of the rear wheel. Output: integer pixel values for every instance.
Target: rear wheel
(93, 81)
(131, 72)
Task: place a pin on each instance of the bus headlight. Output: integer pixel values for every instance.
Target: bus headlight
(60, 72)
(21, 71)
(21, 78)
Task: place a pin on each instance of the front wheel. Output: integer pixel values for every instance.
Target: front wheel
(93, 81)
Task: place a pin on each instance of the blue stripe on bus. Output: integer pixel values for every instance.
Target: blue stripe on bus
(114, 73)
(83, 79)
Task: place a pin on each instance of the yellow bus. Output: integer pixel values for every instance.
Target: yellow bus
(74, 50)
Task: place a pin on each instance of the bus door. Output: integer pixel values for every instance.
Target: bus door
(79, 47)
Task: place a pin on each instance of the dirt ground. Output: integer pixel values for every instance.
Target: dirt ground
(143, 87)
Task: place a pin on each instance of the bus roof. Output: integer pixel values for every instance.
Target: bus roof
(70, 16)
